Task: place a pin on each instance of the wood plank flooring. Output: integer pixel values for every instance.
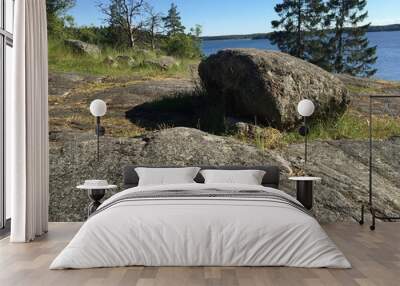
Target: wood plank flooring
(375, 257)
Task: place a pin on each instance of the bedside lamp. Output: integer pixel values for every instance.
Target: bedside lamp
(98, 108)
(306, 109)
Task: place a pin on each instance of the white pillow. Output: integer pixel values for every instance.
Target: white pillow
(166, 176)
(244, 177)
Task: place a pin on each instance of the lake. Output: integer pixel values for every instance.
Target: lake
(388, 52)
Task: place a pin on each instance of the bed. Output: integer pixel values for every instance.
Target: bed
(201, 224)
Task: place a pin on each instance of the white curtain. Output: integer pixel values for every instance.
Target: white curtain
(27, 124)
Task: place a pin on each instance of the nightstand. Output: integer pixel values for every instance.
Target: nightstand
(96, 190)
(305, 190)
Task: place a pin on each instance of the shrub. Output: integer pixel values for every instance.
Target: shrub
(183, 46)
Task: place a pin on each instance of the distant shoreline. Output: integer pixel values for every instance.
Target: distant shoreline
(258, 36)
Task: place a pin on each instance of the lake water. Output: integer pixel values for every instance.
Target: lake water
(388, 52)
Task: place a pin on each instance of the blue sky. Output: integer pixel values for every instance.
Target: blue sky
(223, 17)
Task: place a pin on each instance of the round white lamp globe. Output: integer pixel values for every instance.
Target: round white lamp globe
(98, 108)
(306, 107)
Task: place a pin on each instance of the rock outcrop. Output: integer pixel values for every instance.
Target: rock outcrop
(343, 166)
(82, 47)
(163, 63)
(110, 61)
(125, 60)
(269, 84)
(73, 160)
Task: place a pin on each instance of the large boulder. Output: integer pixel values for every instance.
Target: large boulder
(268, 85)
(82, 47)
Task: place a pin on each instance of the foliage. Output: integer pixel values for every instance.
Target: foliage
(196, 31)
(61, 58)
(182, 45)
(350, 48)
(153, 24)
(129, 24)
(125, 16)
(58, 7)
(326, 33)
(172, 22)
(351, 125)
(298, 19)
(56, 16)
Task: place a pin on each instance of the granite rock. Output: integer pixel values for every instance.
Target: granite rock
(342, 165)
(268, 85)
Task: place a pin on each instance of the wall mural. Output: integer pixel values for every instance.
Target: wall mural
(174, 98)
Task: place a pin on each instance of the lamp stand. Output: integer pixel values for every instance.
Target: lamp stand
(100, 131)
(98, 137)
(305, 145)
(303, 131)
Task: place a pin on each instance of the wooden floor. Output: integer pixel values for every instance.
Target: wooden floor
(375, 257)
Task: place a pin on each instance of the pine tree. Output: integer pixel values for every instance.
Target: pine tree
(295, 31)
(289, 37)
(56, 17)
(317, 40)
(351, 52)
(172, 22)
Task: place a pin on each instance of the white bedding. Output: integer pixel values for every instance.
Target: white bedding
(200, 232)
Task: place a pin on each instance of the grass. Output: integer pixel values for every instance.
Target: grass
(62, 59)
(355, 89)
(115, 126)
(374, 87)
(122, 127)
(351, 125)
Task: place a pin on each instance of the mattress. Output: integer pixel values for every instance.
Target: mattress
(201, 225)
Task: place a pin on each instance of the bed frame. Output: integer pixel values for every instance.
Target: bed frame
(271, 177)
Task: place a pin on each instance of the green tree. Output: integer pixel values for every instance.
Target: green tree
(56, 16)
(299, 21)
(125, 16)
(196, 31)
(351, 52)
(181, 45)
(317, 34)
(172, 22)
(153, 24)
(58, 7)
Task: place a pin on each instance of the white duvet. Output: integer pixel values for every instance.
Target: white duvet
(200, 232)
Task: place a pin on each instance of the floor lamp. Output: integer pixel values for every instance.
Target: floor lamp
(306, 109)
(96, 192)
(98, 108)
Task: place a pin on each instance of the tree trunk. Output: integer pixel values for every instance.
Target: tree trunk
(339, 39)
(131, 40)
(153, 42)
(131, 37)
(299, 52)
